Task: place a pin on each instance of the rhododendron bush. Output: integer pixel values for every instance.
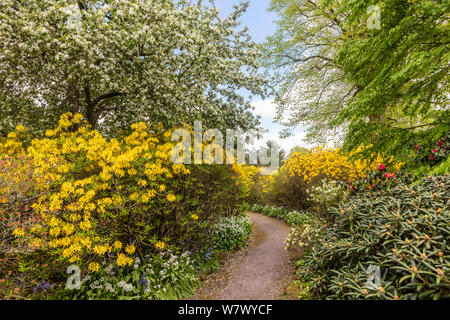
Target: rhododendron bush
(403, 230)
(79, 198)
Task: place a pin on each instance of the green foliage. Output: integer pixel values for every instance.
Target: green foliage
(289, 190)
(207, 262)
(401, 71)
(165, 276)
(385, 87)
(292, 217)
(432, 158)
(231, 233)
(301, 54)
(403, 230)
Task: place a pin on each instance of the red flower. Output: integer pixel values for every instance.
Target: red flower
(381, 167)
(434, 150)
(416, 146)
(387, 175)
(371, 186)
(431, 157)
(440, 144)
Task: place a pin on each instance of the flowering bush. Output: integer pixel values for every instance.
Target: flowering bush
(403, 231)
(231, 233)
(303, 235)
(325, 194)
(162, 276)
(333, 164)
(432, 159)
(248, 176)
(75, 197)
(301, 172)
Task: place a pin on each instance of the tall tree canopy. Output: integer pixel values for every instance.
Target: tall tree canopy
(387, 86)
(122, 61)
(302, 56)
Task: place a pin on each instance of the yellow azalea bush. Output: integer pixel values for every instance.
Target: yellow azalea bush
(334, 164)
(246, 176)
(301, 171)
(90, 198)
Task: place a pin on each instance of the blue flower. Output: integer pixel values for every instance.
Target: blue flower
(44, 285)
(208, 253)
(143, 281)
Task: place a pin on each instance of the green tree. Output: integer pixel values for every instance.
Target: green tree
(385, 86)
(312, 87)
(122, 61)
(402, 72)
(297, 149)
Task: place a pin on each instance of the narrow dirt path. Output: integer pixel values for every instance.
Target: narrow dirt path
(261, 271)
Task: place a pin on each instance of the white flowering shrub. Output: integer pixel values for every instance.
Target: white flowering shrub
(119, 62)
(232, 233)
(302, 235)
(161, 277)
(325, 194)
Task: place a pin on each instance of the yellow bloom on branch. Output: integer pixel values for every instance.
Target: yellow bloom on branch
(117, 245)
(130, 249)
(143, 183)
(94, 266)
(160, 245)
(19, 232)
(123, 260)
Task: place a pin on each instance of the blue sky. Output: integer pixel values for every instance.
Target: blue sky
(261, 24)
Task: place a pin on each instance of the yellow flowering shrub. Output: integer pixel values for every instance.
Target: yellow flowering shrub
(246, 176)
(90, 197)
(301, 171)
(334, 165)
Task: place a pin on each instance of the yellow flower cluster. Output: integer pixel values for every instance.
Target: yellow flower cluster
(94, 266)
(160, 245)
(92, 177)
(246, 176)
(334, 164)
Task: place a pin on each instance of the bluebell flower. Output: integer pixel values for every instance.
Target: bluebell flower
(143, 281)
(208, 253)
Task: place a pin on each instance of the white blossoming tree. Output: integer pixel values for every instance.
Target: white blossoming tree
(121, 61)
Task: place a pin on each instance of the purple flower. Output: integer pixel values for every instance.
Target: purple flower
(143, 281)
(44, 285)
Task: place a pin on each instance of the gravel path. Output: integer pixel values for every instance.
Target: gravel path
(261, 271)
